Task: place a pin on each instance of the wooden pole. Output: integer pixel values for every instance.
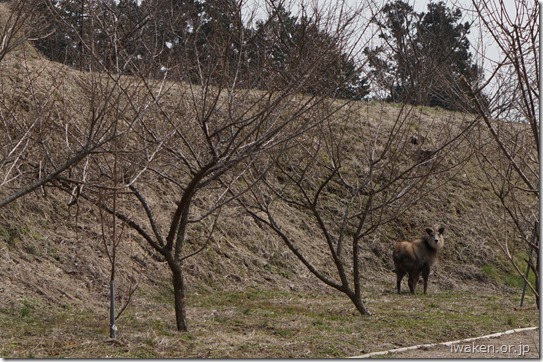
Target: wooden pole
(112, 326)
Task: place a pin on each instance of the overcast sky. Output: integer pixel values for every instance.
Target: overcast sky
(477, 41)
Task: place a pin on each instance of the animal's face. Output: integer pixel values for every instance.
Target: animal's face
(436, 237)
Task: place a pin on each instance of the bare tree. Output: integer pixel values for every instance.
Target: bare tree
(112, 234)
(27, 160)
(52, 121)
(343, 181)
(14, 29)
(186, 157)
(44, 139)
(512, 120)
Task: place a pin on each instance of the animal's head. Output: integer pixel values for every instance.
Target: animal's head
(435, 237)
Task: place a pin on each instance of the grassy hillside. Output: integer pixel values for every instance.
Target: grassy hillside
(248, 295)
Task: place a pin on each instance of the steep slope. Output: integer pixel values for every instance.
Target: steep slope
(45, 242)
(52, 250)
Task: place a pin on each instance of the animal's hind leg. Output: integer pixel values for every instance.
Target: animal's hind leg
(413, 280)
(399, 277)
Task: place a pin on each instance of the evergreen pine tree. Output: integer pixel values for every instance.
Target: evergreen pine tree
(423, 55)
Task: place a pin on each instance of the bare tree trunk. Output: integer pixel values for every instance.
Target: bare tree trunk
(179, 295)
(356, 298)
(537, 281)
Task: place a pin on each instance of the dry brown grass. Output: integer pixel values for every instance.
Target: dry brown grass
(248, 296)
(258, 323)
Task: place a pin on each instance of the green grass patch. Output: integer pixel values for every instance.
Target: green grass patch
(259, 323)
(509, 277)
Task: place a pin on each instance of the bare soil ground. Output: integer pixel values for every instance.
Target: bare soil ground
(525, 344)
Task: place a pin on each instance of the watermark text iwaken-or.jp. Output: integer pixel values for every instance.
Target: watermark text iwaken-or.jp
(520, 349)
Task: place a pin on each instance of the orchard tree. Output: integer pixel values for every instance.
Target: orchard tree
(512, 115)
(196, 140)
(50, 133)
(42, 139)
(341, 182)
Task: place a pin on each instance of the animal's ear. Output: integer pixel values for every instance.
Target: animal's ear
(441, 230)
(430, 231)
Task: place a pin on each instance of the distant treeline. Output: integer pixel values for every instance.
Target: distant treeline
(420, 56)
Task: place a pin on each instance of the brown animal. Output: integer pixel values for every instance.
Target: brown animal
(417, 257)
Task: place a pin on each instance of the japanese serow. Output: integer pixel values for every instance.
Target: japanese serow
(417, 257)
